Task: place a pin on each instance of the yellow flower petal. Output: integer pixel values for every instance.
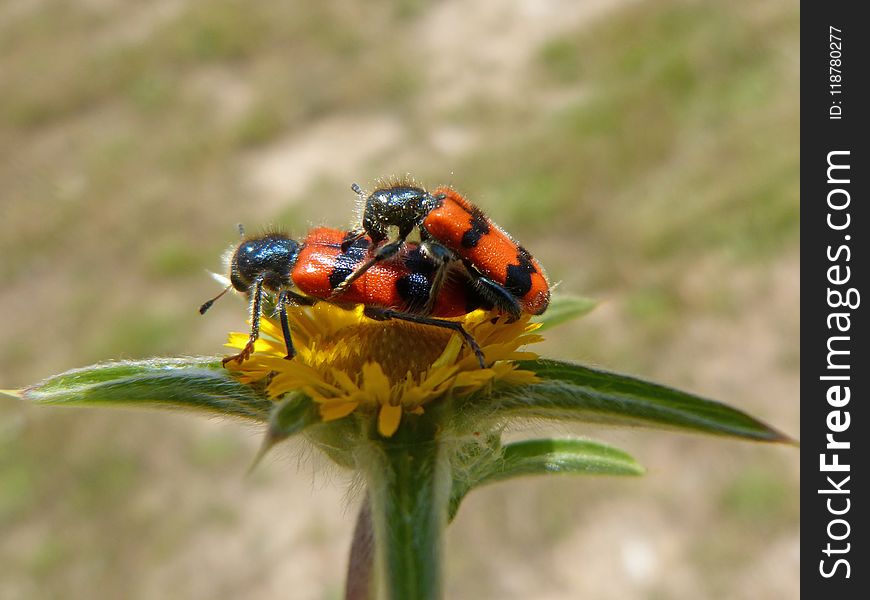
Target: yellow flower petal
(375, 383)
(451, 351)
(520, 377)
(388, 419)
(473, 378)
(344, 381)
(337, 410)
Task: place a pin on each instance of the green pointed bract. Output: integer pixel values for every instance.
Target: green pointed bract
(563, 309)
(293, 414)
(184, 383)
(581, 457)
(571, 392)
(545, 457)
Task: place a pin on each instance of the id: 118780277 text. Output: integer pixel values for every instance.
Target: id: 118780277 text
(835, 72)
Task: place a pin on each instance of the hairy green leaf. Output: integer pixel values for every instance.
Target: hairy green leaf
(292, 415)
(543, 457)
(538, 457)
(295, 412)
(576, 393)
(188, 383)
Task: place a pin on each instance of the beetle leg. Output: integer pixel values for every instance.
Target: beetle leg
(256, 293)
(289, 297)
(381, 254)
(294, 299)
(385, 314)
(441, 258)
(351, 237)
(496, 293)
(285, 325)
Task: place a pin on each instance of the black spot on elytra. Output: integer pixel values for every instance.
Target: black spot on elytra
(414, 289)
(518, 280)
(416, 262)
(479, 228)
(347, 261)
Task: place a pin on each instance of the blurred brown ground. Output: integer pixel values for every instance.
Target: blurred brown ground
(646, 152)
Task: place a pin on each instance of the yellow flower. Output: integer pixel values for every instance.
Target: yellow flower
(346, 362)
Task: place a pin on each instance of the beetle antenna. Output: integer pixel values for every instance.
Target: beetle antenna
(207, 305)
(241, 230)
(357, 189)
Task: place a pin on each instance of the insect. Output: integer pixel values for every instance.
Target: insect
(451, 229)
(401, 289)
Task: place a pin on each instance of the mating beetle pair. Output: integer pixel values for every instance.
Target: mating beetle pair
(463, 262)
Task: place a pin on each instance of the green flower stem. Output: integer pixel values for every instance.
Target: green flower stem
(409, 487)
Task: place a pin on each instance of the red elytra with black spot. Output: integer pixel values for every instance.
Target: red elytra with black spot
(402, 284)
(466, 230)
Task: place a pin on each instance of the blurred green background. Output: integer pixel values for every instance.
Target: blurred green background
(647, 153)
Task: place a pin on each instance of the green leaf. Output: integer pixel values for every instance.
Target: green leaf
(547, 456)
(576, 393)
(563, 309)
(580, 457)
(295, 412)
(186, 383)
